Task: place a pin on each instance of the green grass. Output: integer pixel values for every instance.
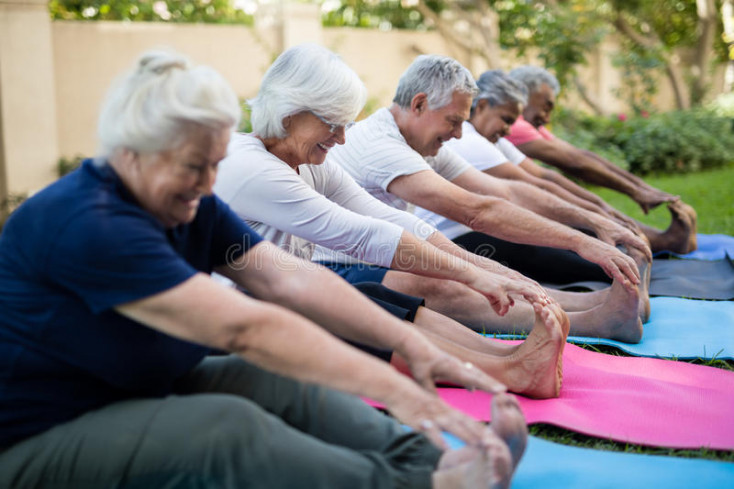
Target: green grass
(711, 193)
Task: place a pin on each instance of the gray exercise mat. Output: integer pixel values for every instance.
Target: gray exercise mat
(692, 279)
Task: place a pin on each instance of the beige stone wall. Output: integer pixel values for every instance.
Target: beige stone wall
(89, 55)
(28, 139)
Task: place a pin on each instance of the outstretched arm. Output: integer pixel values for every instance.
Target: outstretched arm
(422, 258)
(441, 242)
(553, 176)
(593, 169)
(509, 171)
(498, 217)
(557, 178)
(550, 206)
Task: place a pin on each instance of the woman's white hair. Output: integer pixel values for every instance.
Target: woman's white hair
(151, 108)
(534, 76)
(497, 88)
(436, 76)
(305, 78)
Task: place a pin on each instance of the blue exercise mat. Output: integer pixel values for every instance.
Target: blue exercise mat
(679, 328)
(554, 466)
(710, 247)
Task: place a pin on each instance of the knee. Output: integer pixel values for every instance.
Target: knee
(449, 291)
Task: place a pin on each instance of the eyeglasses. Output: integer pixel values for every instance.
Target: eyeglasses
(334, 127)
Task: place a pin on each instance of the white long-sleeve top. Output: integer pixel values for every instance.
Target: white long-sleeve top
(320, 204)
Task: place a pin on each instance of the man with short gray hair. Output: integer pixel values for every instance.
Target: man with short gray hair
(397, 155)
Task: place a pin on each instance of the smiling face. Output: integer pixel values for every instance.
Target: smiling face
(495, 122)
(540, 105)
(431, 128)
(309, 140)
(170, 184)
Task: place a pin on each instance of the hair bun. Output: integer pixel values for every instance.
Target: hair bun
(160, 62)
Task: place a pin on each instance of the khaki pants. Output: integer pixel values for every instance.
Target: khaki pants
(230, 425)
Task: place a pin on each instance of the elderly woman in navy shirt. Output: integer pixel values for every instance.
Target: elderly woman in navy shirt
(108, 317)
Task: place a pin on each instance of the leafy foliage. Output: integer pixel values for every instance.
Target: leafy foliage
(562, 35)
(209, 11)
(673, 142)
(383, 14)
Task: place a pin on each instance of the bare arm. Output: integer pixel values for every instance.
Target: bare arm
(551, 206)
(594, 169)
(509, 171)
(422, 258)
(443, 243)
(323, 297)
(501, 218)
(553, 176)
(575, 162)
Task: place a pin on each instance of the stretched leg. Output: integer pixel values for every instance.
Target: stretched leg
(220, 439)
(578, 301)
(532, 368)
(460, 303)
(210, 440)
(618, 318)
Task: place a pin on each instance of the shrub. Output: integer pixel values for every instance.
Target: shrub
(672, 142)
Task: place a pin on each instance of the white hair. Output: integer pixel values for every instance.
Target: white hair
(436, 76)
(497, 88)
(305, 78)
(533, 77)
(151, 108)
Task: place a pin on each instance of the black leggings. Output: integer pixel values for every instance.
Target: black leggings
(402, 306)
(546, 265)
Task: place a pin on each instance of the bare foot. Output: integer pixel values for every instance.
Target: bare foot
(473, 467)
(618, 318)
(509, 424)
(492, 464)
(536, 368)
(680, 237)
(578, 301)
(650, 198)
(645, 266)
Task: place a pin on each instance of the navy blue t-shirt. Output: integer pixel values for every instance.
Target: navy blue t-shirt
(68, 256)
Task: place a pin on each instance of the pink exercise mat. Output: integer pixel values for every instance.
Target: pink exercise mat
(644, 401)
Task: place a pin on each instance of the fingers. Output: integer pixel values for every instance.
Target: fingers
(622, 270)
(637, 243)
(439, 417)
(471, 377)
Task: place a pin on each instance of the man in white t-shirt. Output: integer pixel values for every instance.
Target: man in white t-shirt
(397, 155)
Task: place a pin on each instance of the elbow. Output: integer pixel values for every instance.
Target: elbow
(244, 333)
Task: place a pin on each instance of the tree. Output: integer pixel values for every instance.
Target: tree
(211, 11)
(675, 38)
